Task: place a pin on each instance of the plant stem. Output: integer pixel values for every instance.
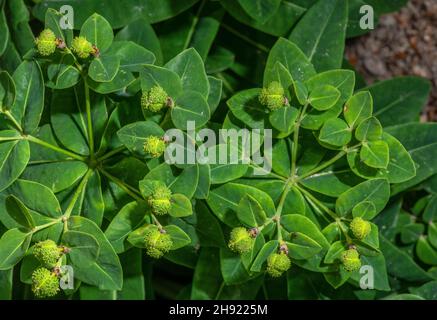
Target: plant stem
(89, 119)
(112, 153)
(193, 25)
(323, 165)
(226, 83)
(331, 213)
(245, 38)
(55, 148)
(76, 194)
(122, 185)
(220, 290)
(271, 174)
(135, 194)
(8, 114)
(296, 140)
(43, 226)
(348, 239)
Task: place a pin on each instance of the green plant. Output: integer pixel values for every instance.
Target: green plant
(84, 181)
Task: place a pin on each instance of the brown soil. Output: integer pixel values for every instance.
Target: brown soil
(404, 43)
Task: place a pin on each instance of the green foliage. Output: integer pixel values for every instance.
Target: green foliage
(86, 117)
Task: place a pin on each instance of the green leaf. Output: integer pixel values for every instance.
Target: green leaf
(190, 68)
(83, 248)
(245, 106)
(68, 118)
(156, 76)
(130, 217)
(358, 108)
(52, 22)
(278, 25)
(178, 236)
(204, 35)
(426, 252)
(268, 248)
(104, 68)
(399, 100)
(400, 168)
(98, 31)
(225, 199)
(298, 223)
(430, 212)
(432, 234)
(29, 99)
(321, 33)
(418, 140)
(375, 154)
(131, 55)
(57, 175)
(324, 97)
(232, 267)
(401, 264)
(4, 33)
(119, 13)
(230, 169)
(334, 252)
(250, 212)
(6, 284)
(260, 10)
(301, 246)
(428, 291)
(134, 135)
(142, 33)
(335, 132)
(190, 106)
(46, 204)
(301, 92)
(291, 57)
(208, 281)
(122, 80)
(180, 206)
(7, 91)
(284, 119)
(379, 266)
(365, 210)
(343, 81)
(14, 244)
(18, 211)
(215, 93)
(105, 272)
(64, 74)
(376, 191)
(411, 232)
(14, 156)
(331, 182)
(369, 130)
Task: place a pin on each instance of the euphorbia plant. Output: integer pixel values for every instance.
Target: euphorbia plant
(59, 189)
(332, 169)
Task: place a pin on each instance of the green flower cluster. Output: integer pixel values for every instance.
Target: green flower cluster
(241, 240)
(157, 242)
(155, 99)
(45, 283)
(154, 146)
(160, 200)
(273, 96)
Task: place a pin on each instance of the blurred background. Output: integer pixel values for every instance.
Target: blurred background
(404, 43)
